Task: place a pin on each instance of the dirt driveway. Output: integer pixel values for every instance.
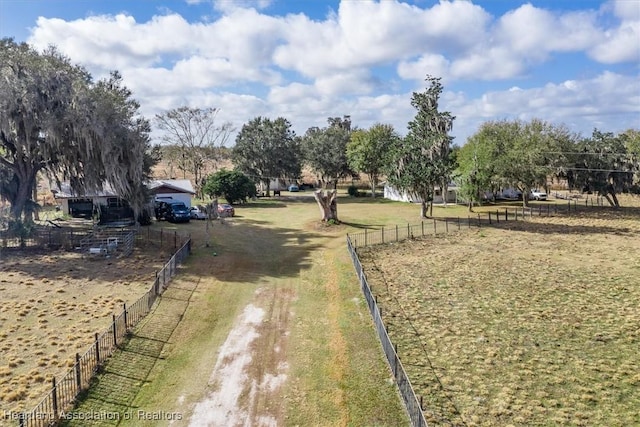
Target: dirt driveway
(275, 333)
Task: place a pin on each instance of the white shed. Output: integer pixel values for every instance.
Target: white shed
(392, 193)
(177, 190)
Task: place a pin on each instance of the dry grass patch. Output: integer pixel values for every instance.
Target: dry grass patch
(532, 323)
(52, 304)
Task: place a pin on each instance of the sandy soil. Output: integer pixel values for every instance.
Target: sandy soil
(251, 367)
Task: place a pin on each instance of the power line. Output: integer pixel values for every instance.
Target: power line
(600, 170)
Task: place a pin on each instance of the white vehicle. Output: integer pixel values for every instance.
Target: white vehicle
(538, 195)
(198, 214)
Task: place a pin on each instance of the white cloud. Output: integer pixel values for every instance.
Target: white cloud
(621, 44)
(250, 63)
(434, 64)
(533, 33)
(233, 5)
(576, 103)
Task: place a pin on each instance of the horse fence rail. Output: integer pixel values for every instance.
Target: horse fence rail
(65, 390)
(438, 226)
(409, 397)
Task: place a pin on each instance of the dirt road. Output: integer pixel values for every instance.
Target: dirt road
(275, 333)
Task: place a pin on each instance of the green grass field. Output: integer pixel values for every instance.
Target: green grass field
(317, 331)
(524, 324)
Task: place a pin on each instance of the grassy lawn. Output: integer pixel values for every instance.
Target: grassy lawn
(275, 254)
(336, 371)
(530, 323)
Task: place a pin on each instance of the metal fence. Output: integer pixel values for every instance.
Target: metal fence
(435, 226)
(65, 390)
(411, 401)
(398, 233)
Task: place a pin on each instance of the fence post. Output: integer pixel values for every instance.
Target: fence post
(497, 215)
(124, 310)
(479, 221)
(446, 225)
(434, 227)
(54, 395)
(489, 217)
(115, 332)
(409, 231)
(382, 234)
(397, 233)
(78, 373)
(97, 350)
(175, 239)
(396, 359)
(458, 223)
(422, 226)
(21, 418)
(506, 214)
(365, 237)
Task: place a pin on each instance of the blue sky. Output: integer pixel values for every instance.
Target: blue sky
(573, 62)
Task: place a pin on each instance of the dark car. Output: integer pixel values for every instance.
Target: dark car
(179, 212)
(172, 212)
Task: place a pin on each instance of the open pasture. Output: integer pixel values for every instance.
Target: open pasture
(52, 304)
(526, 323)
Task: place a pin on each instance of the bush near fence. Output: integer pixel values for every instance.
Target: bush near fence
(65, 390)
(391, 234)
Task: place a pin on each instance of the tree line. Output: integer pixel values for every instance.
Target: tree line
(56, 121)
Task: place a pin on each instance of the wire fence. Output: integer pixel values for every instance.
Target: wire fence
(412, 403)
(435, 226)
(65, 391)
(390, 234)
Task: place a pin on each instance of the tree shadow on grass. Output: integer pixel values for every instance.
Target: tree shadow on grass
(549, 227)
(552, 228)
(250, 250)
(126, 371)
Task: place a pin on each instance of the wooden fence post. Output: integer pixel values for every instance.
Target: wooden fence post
(382, 234)
(497, 216)
(408, 231)
(115, 332)
(78, 373)
(397, 233)
(396, 359)
(422, 226)
(365, 237)
(54, 397)
(124, 310)
(489, 217)
(435, 226)
(479, 222)
(97, 350)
